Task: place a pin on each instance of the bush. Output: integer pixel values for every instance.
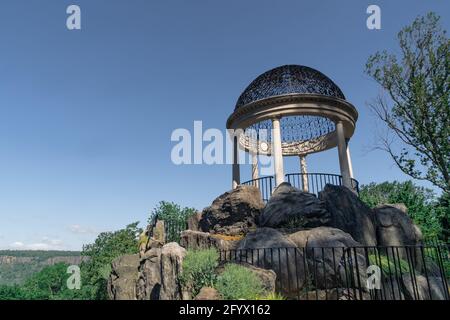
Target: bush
(388, 266)
(171, 213)
(198, 269)
(270, 296)
(238, 282)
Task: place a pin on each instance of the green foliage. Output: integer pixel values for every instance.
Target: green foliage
(170, 212)
(13, 292)
(416, 114)
(174, 217)
(107, 247)
(51, 282)
(294, 222)
(238, 282)
(428, 212)
(198, 269)
(270, 296)
(17, 273)
(48, 284)
(387, 265)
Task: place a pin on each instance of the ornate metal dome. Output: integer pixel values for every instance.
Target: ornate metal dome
(289, 79)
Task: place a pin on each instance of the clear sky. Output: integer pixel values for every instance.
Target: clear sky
(86, 116)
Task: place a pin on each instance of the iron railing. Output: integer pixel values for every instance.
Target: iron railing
(310, 182)
(265, 185)
(173, 230)
(353, 273)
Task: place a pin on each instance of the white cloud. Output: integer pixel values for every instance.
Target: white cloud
(77, 229)
(45, 244)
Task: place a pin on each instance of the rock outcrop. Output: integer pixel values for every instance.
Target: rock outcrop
(349, 214)
(332, 252)
(123, 278)
(299, 245)
(203, 240)
(394, 227)
(269, 249)
(291, 207)
(234, 212)
(158, 273)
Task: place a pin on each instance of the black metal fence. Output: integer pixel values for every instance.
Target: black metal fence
(315, 182)
(173, 230)
(354, 273)
(265, 185)
(311, 182)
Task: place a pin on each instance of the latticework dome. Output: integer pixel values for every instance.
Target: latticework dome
(286, 80)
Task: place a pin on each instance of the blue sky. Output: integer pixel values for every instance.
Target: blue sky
(86, 116)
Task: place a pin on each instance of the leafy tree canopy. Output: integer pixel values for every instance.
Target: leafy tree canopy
(171, 212)
(107, 247)
(416, 111)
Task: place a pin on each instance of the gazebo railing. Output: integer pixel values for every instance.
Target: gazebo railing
(310, 182)
(315, 182)
(265, 185)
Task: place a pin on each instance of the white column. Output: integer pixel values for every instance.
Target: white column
(236, 170)
(349, 159)
(277, 151)
(343, 159)
(304, 171)
(255, 173)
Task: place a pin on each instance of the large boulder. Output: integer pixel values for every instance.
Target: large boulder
(203, 240)
(234, 212)
(394, 227)
(123, 278)
(349, 214)
(290, 207)
(172, 255)
(193, 221)
(424, 288)
(333, 257)
(149, 282)
(159, 272)
(268, 248)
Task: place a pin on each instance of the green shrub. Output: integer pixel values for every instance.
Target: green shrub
(388, 266)
(270, 296)
(198, 269)
(238, 282)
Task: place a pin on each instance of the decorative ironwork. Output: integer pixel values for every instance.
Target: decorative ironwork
(293, 128)
(289, 79)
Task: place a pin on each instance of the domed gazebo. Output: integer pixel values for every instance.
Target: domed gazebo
(293, 110)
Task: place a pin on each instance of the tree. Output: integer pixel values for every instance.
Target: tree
(14, 292)
(107, 247)
(426, 210)
(416, 111)
(170, 212)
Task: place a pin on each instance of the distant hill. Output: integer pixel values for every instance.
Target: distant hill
(16, 265)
